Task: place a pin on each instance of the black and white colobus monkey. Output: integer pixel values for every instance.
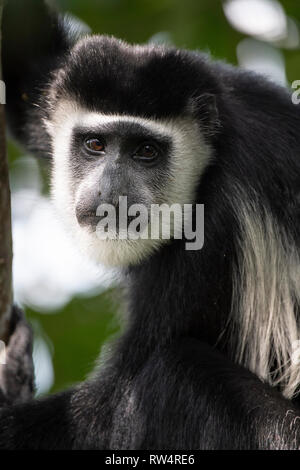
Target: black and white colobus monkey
(207, 359)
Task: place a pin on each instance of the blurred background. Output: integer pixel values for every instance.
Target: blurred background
(71, 304)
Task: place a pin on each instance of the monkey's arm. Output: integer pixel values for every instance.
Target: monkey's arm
(25, 423)
(17, 374)
(37, 424)
(210, 403)
(62, 421)
(69, 420)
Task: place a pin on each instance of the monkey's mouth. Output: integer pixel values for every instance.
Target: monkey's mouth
(107, 223)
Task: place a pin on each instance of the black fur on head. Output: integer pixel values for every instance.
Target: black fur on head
(100, 72)
(110, 76)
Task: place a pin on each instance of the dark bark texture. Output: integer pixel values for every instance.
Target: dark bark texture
(5, 226)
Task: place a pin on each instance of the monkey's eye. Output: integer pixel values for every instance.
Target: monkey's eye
(146, 153)
(94, 145)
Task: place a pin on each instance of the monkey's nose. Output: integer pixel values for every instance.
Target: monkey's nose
(86, 209)
(86, 216)
(89, 206)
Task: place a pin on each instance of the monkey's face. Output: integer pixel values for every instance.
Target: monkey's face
(107, 167)
(112, 165)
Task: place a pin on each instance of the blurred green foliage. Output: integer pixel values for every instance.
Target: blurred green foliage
(192, 24)
(78, 331)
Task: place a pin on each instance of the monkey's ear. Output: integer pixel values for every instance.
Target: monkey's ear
(205, 109)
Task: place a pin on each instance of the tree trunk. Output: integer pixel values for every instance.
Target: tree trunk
(5, 220)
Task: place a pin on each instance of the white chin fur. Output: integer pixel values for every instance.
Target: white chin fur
(115, 252)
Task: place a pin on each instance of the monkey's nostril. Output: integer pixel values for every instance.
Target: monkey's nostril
(86, 217)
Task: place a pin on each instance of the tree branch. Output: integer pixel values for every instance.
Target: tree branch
(5, 220)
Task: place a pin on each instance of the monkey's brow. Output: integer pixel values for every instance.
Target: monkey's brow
(122, 128)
